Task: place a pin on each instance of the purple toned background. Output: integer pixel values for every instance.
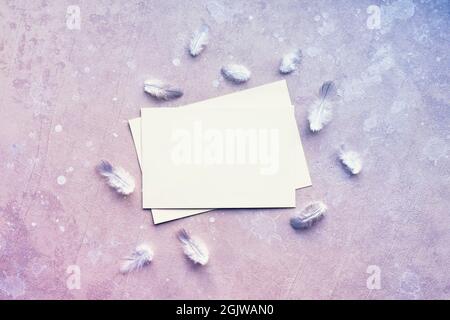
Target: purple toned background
(66, 96)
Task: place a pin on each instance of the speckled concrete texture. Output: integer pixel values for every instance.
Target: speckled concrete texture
(67, 93)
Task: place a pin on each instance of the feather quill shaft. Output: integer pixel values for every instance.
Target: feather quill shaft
(160, 90)
(139, 258)
(310, 214)
(193, 248)
(117, 178)
(199, 40)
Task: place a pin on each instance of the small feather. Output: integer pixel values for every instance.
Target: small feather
(320, 114)
(309, 215)
(290, 61)
(351, 160)
(236, 73)
(160, 90)
(117, 178)
(194, 249)
(327, 90)
(199, 40)
(139, 258)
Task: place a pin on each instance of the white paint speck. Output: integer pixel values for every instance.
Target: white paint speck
(216, 83)
(58, 128)
(62, 228)
(115, 135)
(69, 169)
(176, 62)
(131, 65)
(212, 219)
(317, 18)
(250, 18)
(114, 99)
(87, 69)
(61, 180)
(33, 224)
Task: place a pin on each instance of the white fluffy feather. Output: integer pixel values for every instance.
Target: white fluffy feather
(320, 114)
(236, 73)
(194, 249)
(199, 40)
(117, 178)
(290, 61)
(160, 90)
(139, 258)
(351, 160)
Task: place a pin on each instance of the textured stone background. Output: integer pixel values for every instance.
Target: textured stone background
(66, 96)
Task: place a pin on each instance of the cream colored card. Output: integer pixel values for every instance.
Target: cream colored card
(217, 158)
(270, 95)
(135, 127)
(159, 215)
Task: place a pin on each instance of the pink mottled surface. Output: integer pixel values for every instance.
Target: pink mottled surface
(66, 96)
